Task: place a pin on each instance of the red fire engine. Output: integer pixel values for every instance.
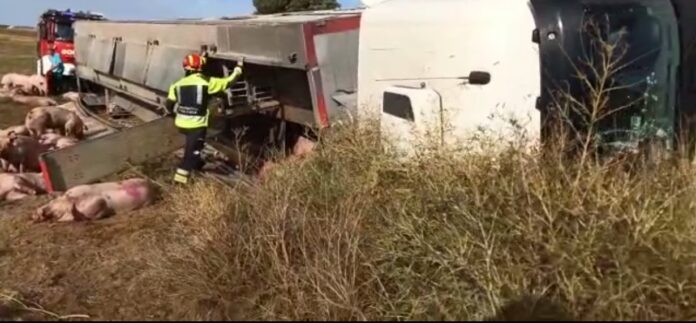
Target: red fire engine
(56, 29)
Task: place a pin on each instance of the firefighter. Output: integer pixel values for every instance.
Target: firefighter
(188, 100)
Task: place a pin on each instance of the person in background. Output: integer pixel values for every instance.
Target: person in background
(56, 72)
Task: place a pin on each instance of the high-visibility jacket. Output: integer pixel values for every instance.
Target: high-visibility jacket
(192, 94)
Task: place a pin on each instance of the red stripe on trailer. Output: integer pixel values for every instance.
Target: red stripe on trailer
(339, 25)
(46, 176)
(321, 102)
(312, 29)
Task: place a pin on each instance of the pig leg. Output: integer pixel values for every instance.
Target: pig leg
(93, 208)
(13, 196)
(23, 186)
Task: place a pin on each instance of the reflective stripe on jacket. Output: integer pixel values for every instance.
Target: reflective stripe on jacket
(192, 94)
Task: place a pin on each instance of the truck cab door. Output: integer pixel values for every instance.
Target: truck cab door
(411, 118)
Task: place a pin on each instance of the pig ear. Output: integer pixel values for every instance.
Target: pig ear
(12, 135)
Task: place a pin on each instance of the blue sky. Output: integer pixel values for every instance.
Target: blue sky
(26, 12)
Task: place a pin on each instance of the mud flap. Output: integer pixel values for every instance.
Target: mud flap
(96, 158)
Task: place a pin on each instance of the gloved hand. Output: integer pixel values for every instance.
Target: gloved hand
(240, 65)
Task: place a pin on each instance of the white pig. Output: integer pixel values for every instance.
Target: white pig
(93, 202)
(15, 187)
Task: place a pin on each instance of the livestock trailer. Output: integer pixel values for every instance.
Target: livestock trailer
(295, 64)
(300, 69)
(407, 62)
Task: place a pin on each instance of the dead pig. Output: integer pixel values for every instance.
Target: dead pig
(22, 152)
(18, 130)
(35, 101)
(6, 167)
(71, 96)
(68, 123)
(10, 80)
(56, 141)
(15, 187)
(93, 202)
(302, 148)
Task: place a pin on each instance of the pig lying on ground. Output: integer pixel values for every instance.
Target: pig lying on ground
(302, 148)
(38, 84)
(15, 187)
(6, 94)
(30, 85)
(6, 167)
(11, 80)
(56, 141)
(21, 152)
(18, 130)
(36, 101)
(93, 202)
(68, 123)
(71, 96)
(25, 84)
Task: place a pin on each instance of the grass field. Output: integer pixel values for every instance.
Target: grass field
(18, 54)
(71, 268)
(350, 234)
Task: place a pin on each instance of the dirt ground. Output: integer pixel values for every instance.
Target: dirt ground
(48, 271)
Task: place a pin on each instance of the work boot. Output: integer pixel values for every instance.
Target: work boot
(182, 176)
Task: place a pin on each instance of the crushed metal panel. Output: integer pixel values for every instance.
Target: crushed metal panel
(109, 154)
(167, 34)
(280, 42)
(165, 67)
(83, 43)
(135, 108)
(133, 62)
(119, 59)
(337, 56)
(101, 54)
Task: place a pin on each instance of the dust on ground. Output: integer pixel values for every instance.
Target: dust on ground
(96, 269)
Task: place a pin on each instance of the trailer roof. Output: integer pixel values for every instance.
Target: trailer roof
(282, 18)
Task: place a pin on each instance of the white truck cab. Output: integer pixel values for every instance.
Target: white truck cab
(416, 57)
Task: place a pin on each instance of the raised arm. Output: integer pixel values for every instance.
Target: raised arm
(217, 85)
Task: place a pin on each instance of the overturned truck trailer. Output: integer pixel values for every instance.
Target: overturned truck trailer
(299, 68)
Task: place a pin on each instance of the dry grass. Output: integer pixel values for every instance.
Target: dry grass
(17, 51)
(352, 235)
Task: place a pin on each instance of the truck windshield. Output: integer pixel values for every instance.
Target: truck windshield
(644, 39)
(64, 32)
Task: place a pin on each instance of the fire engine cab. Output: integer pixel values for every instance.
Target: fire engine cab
(56, 29)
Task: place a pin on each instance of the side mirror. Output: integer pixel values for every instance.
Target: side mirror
(479, 78)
